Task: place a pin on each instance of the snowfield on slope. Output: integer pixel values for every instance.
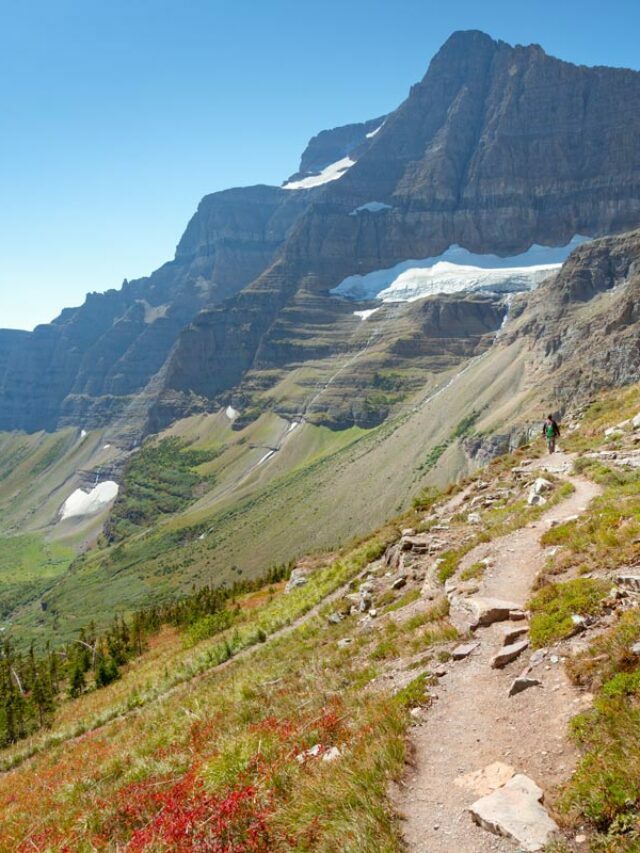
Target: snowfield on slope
(457, 270)
(82, 503)
(330, 173)
(371, 207)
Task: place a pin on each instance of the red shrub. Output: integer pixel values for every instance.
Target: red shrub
(186, 817)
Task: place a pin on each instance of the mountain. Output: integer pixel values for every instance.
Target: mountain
(88, 366)
(496, 149)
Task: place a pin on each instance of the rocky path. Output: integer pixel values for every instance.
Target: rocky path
(473, 722)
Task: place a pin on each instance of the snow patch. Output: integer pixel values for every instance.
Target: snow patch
(154, 312)
(106, 446)
(293, 425)
(330, 173)
(83, 433)
(365, 314)
(457, 270)
(371, 207)
(266, 456)
(231, 413)
(372, 133)
(82, 503)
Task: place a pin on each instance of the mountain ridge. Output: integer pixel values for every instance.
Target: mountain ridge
(270, 254)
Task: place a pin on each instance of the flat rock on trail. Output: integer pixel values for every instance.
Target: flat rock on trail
(474, 723)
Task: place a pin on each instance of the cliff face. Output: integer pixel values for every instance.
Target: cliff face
(329, 146)
(496, 148)
(85, 366)
(582, 328)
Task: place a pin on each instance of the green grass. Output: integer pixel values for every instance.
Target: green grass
(28, 566)
(474, 571)
(605, 789)
(160, 479)
(414, 694)
(461, 430)
(554, 605)
(608, 535)
(403, 601)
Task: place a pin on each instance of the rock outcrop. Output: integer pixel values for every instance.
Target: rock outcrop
(582, 330)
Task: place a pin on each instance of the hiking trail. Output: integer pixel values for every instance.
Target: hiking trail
(473, 722)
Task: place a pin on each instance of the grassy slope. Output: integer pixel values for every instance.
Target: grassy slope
(319, 491)
(133, 778)
(38, 472)
(239, 731)
(28, 567)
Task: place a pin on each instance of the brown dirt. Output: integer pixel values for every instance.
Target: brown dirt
(474, 723)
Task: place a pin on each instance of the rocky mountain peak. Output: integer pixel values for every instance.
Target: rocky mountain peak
(497, 148)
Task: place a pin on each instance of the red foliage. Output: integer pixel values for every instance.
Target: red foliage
(283, 729)
(184, 817)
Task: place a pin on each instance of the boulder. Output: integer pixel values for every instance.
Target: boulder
(508, 654)
(313, 752)
(541, 485)
(486, 611)
(537, 657)
(512, 633)
(515, 811)
(392, 556)
(522, 683)
(534, 499)
(331, 754)
(298, 578)
(463, 650)
(365, 602)
(399, 582)
(630, 581)
(535, 496)
(418, 543)
(474, 518)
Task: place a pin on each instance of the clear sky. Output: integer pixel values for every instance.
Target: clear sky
(117, 116)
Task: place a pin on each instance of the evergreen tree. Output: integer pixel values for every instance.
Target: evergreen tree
(76, 681)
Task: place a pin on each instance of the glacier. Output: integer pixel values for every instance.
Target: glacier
(457, 270)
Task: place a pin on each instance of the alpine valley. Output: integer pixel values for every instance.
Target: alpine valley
(319, 359)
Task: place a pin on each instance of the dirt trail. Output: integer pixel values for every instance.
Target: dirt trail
(474, 723)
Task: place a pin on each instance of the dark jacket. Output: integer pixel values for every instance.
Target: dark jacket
(556, 428)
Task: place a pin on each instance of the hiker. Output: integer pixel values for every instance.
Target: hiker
(551, 431)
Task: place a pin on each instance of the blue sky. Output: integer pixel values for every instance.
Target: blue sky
(119, 115)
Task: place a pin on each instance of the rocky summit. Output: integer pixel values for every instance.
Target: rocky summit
(497, 149)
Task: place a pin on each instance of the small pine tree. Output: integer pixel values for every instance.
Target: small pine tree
(76, 682)
(106, 671)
